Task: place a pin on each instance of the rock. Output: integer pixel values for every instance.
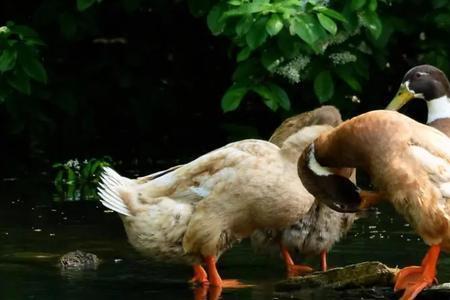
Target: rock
(364, 274)
(440, 291)
(367, 280)
(79, 260)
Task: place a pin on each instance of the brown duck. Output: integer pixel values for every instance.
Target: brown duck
(321, 227)
(409, 164)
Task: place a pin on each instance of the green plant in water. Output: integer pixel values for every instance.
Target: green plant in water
(19, 59)
(276, 41)
(77, 180)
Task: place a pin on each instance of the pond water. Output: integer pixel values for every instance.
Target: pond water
(35, 230)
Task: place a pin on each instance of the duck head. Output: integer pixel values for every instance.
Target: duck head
(330, 186)
(428, 83)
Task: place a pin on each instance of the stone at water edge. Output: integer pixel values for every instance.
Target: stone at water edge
(358, 275)
(79, 260)
(366, 280)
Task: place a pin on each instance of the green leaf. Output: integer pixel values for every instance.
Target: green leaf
(7, 59)
(243, 26)
(271, 58)
(71, 177)
(257, 34)
(288, 46)
(357, 4)
(214, 20)
(273, 96)
(84, 4)
(247, 70)
(233, 97)
(246, 9)
(243, 54)
(281, 96)
(324, 86)
(266, 95)
(23, 31)
(19, 81)
(373, 4)
(345, 73)
(331, 13)
(304, 31)
(274, 25)
(235, 2)
(33, 68)
(372, 22)
(327, 23)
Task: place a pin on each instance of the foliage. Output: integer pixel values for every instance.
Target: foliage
(321, 41)
(19, 59)
(122, 75)
(78, 179)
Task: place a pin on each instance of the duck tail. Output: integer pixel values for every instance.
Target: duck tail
(114, 191)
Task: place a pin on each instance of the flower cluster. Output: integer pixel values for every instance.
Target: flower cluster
(341, 58)
(293, 69)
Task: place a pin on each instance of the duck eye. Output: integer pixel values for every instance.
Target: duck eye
(418, 75)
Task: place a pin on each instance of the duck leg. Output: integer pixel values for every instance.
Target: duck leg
(292, 268)
(214, 277)
(200, 276)
(416, 278)
(323, 260)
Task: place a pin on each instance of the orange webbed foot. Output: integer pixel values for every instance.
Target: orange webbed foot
(414, 279)
(406, 276)
(200, 277)
(298, 270)
(292, 268)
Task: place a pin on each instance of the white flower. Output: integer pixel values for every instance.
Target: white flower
(341, 58)
(4, 29)
(75, 164)
(292, 70)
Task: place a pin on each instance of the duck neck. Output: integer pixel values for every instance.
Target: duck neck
(438, 108)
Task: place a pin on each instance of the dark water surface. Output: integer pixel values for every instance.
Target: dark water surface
(35, 230)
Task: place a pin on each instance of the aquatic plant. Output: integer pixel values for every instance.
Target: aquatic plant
(76, 179)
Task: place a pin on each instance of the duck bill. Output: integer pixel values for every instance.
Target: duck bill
(403, 96)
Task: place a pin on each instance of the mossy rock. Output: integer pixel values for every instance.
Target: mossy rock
(79, 260)
(366, 280)
(364, 274)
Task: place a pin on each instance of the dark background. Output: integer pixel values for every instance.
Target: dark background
(143, 85)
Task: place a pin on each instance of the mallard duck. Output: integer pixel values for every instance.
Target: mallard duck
(409, 165)
(317, 231)
(192, 213)
(430, 84)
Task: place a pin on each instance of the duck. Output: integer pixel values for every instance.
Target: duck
(409, 166)
(316, 232)
(430, 84)
(192, 213)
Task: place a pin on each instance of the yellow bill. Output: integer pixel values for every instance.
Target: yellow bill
(403, 96)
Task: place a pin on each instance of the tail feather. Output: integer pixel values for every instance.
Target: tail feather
(108, 190)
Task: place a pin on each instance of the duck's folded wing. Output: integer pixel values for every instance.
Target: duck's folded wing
(195, 181)
(147, 178)
(431, 151)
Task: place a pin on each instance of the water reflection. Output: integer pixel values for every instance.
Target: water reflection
(35, 231)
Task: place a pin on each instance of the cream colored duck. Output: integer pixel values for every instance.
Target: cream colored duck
(321, 227)
(409, 164)
(192, 213)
